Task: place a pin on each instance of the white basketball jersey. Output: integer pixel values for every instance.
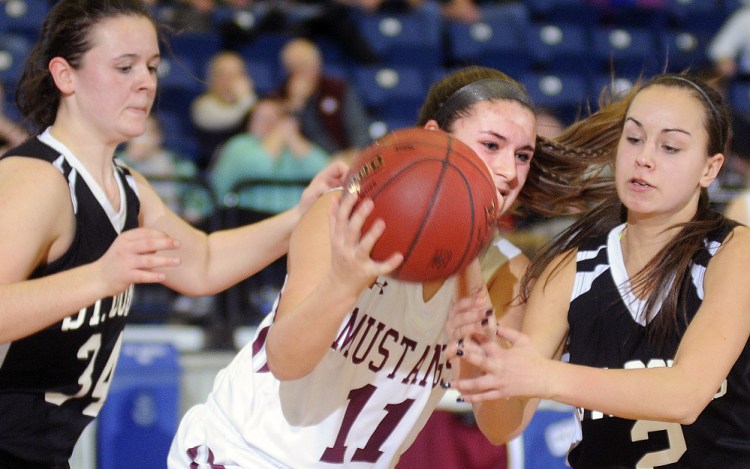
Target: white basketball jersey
(361, 407)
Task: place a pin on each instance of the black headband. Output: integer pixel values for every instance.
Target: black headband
(708, 101)
(482, 90)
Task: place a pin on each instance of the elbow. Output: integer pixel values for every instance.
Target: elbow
(687, 415)
(500, 438)
(687, 410)
(498, 428)
(281, 369)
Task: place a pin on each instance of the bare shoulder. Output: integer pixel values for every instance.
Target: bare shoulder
(36, 215)
(561, 269)
(22, 177)
(735, 248)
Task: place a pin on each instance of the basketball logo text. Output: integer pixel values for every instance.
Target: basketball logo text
(363, 172)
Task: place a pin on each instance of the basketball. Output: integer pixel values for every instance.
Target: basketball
(436, 197)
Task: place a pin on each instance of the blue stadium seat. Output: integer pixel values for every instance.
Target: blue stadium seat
(179, 72)
(739, 96)
(635, 14)
(265, 76)
(199, 47)
(696, 14)
(179, 84)
(265, 48)
(629, 51)
(496, 43)
(177, 133)
(23, 17)
(380, 127)
(684, 49)
(391, 93)
(559, 47)
(403, 39)
(580, 12)
(566, 93)
(14, 48)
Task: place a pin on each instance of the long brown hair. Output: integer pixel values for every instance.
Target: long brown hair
(559, 180)
(667, 273)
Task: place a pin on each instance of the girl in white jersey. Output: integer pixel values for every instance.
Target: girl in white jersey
(347, 368)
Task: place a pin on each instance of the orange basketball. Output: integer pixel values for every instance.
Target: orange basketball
(436, 196)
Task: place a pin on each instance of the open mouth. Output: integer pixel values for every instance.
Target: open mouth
(640, 182)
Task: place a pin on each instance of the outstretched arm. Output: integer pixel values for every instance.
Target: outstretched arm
(37, 226)
(216, 261)
(711, 345)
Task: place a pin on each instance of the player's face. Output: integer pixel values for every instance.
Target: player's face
(503, 134)
(115, 85)
(661, 161)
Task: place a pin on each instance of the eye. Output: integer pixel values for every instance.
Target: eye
(670, 149)
(492, 146)
(125, 68)
(633, 140)
(523, 157)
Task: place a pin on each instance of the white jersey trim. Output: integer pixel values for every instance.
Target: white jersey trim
(117, 218)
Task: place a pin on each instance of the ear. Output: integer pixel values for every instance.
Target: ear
(711, 170)
(61, 72)
(432, 125)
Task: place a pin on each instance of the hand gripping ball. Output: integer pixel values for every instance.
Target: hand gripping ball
(436, 196)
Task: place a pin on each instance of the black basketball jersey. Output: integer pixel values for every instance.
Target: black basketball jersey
(53, 383)
(607, 331)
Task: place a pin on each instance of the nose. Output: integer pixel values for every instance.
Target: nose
(504, 165)
(147, 80)
(644, 159)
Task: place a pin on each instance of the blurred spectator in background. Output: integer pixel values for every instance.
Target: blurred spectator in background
(173, 177)
(11, 133)
(330, 112)
(729, 49)
(272, 148)
(222, 110)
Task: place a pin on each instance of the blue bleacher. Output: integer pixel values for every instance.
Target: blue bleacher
(696, 14)
(566, 93)
(14, 48)
(199, 47)
(684, 49)
(559, 46)
(739, 96)
(627, 50)
(391, 92)
(581, 12)
(496, 43)
(23, 17)
(404, 38)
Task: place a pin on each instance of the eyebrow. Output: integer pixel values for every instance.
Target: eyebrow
(636, 122)
(505, 139)
(132, 56)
